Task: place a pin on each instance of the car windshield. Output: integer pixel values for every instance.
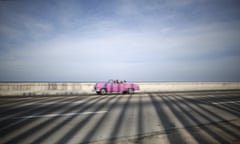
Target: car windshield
(116, 81)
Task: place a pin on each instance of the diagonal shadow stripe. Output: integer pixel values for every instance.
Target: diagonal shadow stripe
(14, 110)
(39, 126)
(207, 130)
(208, 101)
(140, 125)
(12, 124)
(79, 126)
(225, 98)
(174, 107)
(186, 118)
(56, 128)
(164, 119)
(115, 131)
(225, 107)
(206, 111)
(140, 121)
(12, 104)
(96, 127)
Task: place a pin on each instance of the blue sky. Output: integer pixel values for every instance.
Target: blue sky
(136, 40)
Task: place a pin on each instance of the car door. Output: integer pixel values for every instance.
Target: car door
(115, 87)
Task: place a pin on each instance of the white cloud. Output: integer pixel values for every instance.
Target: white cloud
(135, 42)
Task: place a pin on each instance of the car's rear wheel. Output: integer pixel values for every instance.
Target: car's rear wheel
(103, 91)
(131, 91)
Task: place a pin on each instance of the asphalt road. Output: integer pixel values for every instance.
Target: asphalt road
(182, 117)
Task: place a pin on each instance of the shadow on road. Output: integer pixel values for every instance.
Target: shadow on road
(184, 119)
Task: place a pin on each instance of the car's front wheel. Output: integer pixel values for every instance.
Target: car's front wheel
(131, 91)
(103, 91)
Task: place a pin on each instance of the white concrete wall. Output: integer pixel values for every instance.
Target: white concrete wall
(25, 89)
(45, 88)
(188, 86)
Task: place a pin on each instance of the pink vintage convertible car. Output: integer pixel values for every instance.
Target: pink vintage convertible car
(115, 87)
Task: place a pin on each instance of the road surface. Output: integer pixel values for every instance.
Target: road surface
(173, 117)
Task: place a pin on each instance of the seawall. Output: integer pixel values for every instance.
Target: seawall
(31, 89)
